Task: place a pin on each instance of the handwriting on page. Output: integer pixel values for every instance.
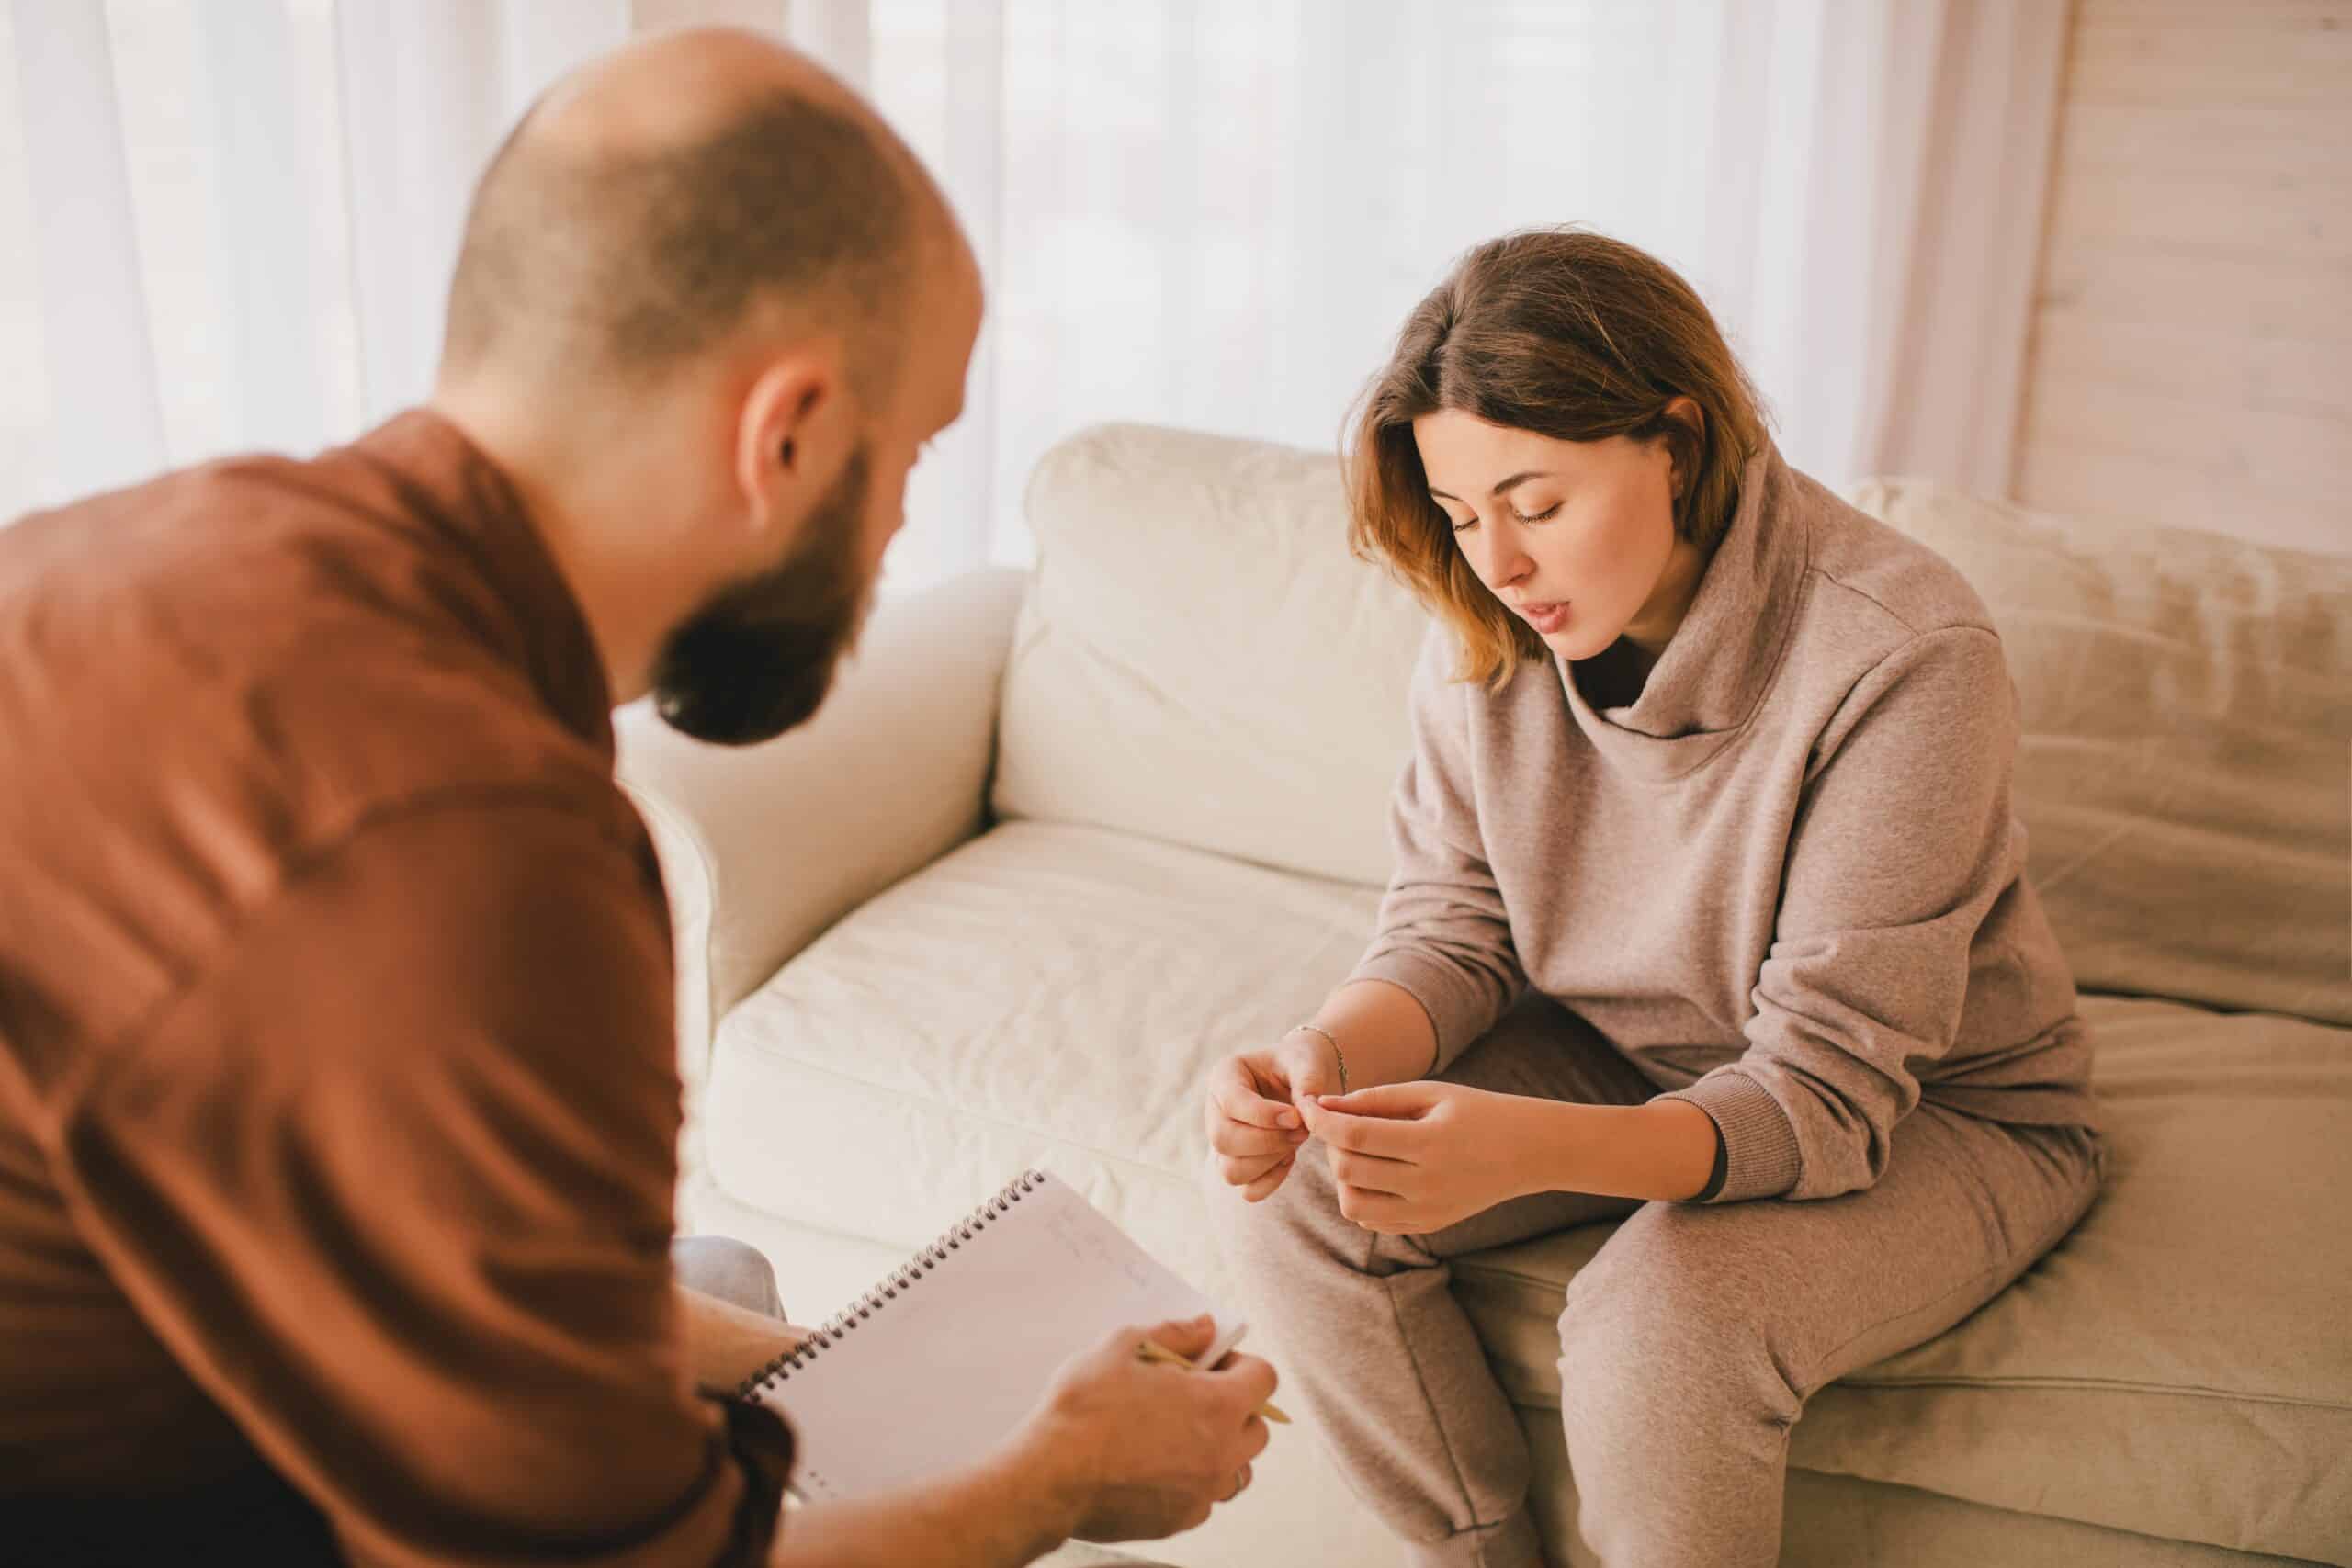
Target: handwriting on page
(1096, 1244)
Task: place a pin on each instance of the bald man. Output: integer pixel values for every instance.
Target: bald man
(337, 1097)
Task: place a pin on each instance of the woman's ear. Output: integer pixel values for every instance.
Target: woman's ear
(1684, 410)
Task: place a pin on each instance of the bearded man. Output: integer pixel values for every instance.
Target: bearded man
(338, 1102)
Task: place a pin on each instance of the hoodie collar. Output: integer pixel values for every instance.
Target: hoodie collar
(1722, 659)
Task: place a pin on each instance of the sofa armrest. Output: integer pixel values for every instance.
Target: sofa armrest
(763, 847)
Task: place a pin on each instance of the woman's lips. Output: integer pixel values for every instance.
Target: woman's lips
(1547, 618)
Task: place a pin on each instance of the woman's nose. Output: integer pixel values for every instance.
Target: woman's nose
(1510, 566)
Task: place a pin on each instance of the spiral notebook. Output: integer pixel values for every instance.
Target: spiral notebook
(934, 1367)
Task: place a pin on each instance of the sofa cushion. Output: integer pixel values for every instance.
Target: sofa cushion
(2182, 774)
(1201, 661)
(2179, 1366)
(1044, 994)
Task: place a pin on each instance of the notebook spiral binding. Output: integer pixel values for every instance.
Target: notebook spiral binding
(779, 1370)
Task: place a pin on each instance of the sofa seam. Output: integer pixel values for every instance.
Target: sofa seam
(1468, 1269)
(2086, 1385)
(2012, 1510)
(993, 1121)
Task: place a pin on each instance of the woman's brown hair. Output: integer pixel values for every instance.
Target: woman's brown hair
(1569, 334)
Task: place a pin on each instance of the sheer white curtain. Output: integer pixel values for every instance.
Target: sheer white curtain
(230, 225)
(1216, 212)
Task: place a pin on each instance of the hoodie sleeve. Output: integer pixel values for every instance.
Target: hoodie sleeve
(1442, 935)
(1904, 841)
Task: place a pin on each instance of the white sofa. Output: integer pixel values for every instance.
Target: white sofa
(1061, 839)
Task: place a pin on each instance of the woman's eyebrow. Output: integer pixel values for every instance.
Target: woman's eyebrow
(1505, 487)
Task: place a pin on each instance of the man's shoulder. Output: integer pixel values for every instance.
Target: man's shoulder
(229, 675)
(486, 928)
(265, 641)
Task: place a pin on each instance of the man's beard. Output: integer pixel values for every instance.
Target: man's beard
(759, 656)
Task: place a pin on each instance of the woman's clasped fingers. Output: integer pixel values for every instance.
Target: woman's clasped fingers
(1374, 1135)
(1243, 1124)
(1372, 1171)
(1238, 1140)
(1383, 1211)
(1265, 1184)
(1240, 1170)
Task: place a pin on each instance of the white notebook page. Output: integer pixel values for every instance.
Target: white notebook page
(939, 1375)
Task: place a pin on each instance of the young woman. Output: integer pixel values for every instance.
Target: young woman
(1709, 914)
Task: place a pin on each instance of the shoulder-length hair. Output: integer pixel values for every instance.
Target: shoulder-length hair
(1569, 334)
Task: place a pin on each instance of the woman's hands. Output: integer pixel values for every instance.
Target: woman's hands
(1409, 1158)
(1414, 1157)
(1252, 1108)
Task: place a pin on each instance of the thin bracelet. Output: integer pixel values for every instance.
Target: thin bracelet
(1341, 1055)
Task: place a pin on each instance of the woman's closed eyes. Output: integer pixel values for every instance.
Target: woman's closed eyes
(1543, 516)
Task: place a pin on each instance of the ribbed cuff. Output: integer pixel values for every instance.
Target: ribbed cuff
(1458, 1012)
(1760, 1155)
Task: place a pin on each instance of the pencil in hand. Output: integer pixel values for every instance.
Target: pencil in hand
(1147, 1351)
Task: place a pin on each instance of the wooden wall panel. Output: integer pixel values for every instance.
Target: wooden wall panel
(2190, 361)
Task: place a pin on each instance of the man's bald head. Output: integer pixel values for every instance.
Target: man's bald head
(651, 204)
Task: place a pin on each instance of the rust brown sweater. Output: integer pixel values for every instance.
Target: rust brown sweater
(337, 1101)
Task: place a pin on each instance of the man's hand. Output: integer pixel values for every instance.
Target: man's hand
(1253, 1113)
(725, 1344)
(1141, 1450)
(1414, 1157)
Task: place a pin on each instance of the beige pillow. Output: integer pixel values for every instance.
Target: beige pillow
(1201, 661)
(2184, 771)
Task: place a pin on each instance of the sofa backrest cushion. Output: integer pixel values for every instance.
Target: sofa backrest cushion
(2185, 767)
(1201, 661)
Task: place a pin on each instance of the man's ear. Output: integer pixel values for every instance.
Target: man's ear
(796, 430)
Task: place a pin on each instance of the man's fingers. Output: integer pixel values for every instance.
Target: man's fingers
(1187, 1338)
(1250, 1381)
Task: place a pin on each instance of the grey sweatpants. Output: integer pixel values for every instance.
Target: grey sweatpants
(725, 1269)
(1687, 1347)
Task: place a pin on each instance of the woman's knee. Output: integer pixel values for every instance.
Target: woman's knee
(1303, 1213)
(1655, 1315)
